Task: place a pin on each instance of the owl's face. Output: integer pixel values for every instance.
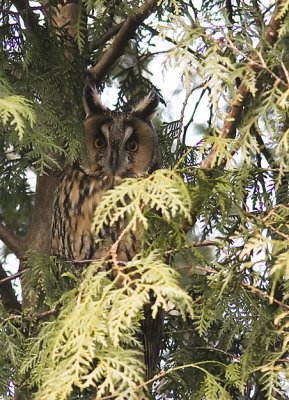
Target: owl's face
(120, 144)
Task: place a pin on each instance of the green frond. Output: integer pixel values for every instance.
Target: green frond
(120, 373)
(213, 390)
(43, 275)
(223, 149)
(95, 326)
(284, 29)
(272, 381)
(249, 79)
(163, 191)
(204, 318)
(80, 28)
(172, 3)
(284, 9)
(233, 374)
(18, 111)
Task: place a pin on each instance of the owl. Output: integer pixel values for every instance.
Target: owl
(119, 145)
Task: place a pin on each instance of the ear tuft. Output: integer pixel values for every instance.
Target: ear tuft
(91, 101)
(148, 107)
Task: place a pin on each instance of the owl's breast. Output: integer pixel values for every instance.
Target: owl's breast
(75, 201)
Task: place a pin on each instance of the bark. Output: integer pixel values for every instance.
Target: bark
(39, 236)
(65, 15)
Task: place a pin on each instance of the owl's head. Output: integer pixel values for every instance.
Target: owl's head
(120, 144)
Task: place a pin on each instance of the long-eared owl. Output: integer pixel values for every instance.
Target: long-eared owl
(119, 145)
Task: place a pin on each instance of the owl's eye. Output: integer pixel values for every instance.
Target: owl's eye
(132, 145)
(99, 143)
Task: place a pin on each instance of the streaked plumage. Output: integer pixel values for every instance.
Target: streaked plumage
(119, 145)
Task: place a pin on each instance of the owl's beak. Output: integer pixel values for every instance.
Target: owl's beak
(113, 162)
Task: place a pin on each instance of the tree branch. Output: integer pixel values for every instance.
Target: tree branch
(13, 276)
(7, 295)
(235, 110)
(39, 236)
(105, 37)
(13, 243)
(117, 48)
(29, 17)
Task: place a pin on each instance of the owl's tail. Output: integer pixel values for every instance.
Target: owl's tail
(152, 335)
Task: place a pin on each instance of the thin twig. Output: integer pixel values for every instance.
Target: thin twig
(263, 220)
(11, 316)
(45, 314)
(270, 298)
(13, 276)
(273, 211)
(219, 351)
(250, 287)
(253, 63)
(29, 317)
(91, 260)
(206, 243)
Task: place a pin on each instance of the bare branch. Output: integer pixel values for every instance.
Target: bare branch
(206, 243)
(29, 17)
(235, 110)
(105, 37)
(13, 243)
(32, 317)
(117, 48)
(261, 293)
(13, 276)
(7, 294)
(42, 315)
(104, 259)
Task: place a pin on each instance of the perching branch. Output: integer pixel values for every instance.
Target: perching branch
(7, 295)
(117, 48)
(11, 241)
(235, 110)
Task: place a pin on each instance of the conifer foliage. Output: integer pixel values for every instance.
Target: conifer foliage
(213, 223)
